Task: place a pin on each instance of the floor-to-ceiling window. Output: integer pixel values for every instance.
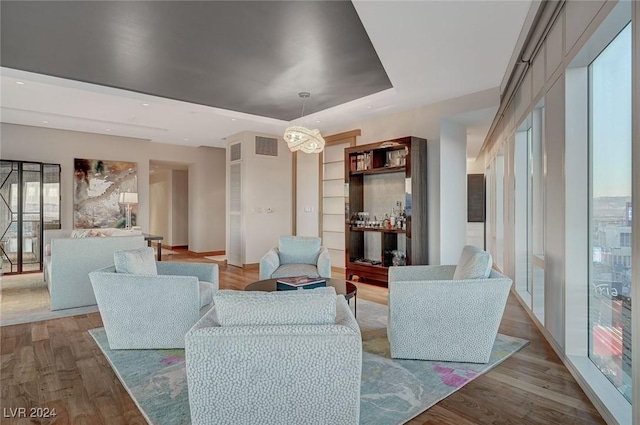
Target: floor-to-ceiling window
(610, 212)
(536, 211)
(522, 214)
(498, 227)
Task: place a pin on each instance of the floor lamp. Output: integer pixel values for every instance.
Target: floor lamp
(128, 199)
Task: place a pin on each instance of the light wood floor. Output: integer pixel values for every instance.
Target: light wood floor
(56, 364)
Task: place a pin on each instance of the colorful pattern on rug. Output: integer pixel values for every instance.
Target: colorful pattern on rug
(393, 391)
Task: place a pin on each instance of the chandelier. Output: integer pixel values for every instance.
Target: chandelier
(302, 138)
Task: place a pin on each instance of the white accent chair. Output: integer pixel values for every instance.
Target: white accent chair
(296, 256)
(246, 366)
(446, 313)
(153, 311)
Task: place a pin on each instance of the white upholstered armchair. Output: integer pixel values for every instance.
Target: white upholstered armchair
(290, 357)
(296, 256)
(446, 313)
(146, 311)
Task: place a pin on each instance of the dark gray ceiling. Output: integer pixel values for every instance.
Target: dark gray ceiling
(248, 56)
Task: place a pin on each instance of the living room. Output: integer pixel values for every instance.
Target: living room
(52, 115)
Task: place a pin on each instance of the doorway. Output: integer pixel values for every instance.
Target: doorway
(29, 204)
(169, 204)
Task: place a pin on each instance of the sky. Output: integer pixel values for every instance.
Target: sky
(611, 118)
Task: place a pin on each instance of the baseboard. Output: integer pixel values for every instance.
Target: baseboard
(338, 269)
(208, 253)
(591, 395)
(177, 246)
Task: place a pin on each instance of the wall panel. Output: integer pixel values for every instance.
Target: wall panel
(554, 211)
(554, 47)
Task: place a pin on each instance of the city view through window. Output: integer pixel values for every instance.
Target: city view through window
(611, 213)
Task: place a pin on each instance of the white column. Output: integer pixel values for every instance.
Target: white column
(453, 190)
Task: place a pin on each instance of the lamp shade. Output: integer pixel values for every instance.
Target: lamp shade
(128, 198)
(301, 138)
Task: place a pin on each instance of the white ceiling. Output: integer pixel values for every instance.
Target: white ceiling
(431, 51)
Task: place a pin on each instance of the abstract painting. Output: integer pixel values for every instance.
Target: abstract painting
(97, 186)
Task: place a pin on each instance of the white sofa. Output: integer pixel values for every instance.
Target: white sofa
(66, 270)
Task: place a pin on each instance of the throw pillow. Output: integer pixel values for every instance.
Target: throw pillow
(298, 250)
(136, 261)
(474, 263)
(80, 233)
(305, 307)
(47, 250)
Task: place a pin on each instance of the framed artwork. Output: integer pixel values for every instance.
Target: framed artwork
(97, 187)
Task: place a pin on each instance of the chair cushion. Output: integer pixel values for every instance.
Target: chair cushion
(136, 261)
(298, 250)
(474, 263)
(304, 307)
(291, 270)
(207, 290)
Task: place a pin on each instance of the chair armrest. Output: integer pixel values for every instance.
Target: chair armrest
(324, 263)
(435, 297)
(119, 289)
(416, 273)
(134, 308)
(269, 263)
(205, 272)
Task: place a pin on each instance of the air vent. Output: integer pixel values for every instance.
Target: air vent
(266, 146)
(236, 152)
(235, 188)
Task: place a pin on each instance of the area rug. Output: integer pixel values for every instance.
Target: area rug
(24, 298)
(392, 392)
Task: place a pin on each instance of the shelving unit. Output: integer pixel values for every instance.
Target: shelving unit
(378, 175)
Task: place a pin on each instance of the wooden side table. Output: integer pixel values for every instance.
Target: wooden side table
(158, 239)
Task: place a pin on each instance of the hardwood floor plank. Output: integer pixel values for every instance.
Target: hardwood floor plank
(56, 363)
(39, 332)
(532, 388)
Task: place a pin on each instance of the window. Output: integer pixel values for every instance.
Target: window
(625, 239)
(609, 324)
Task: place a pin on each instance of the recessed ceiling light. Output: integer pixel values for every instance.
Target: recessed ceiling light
(318, 121)
(186, 140)
(20, 83)
(233, 119)
(145, 104)
(108, 129)
(369, 107)
(45, 122)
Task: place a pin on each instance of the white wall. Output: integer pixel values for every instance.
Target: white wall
(180, 208)
(159, 204)
(267, 201)
(420, 122)
(453, 191)
(206, 173)
(476, 166)
(307, 207)
(433, 208)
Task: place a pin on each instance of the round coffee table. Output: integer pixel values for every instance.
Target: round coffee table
(343, 287)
